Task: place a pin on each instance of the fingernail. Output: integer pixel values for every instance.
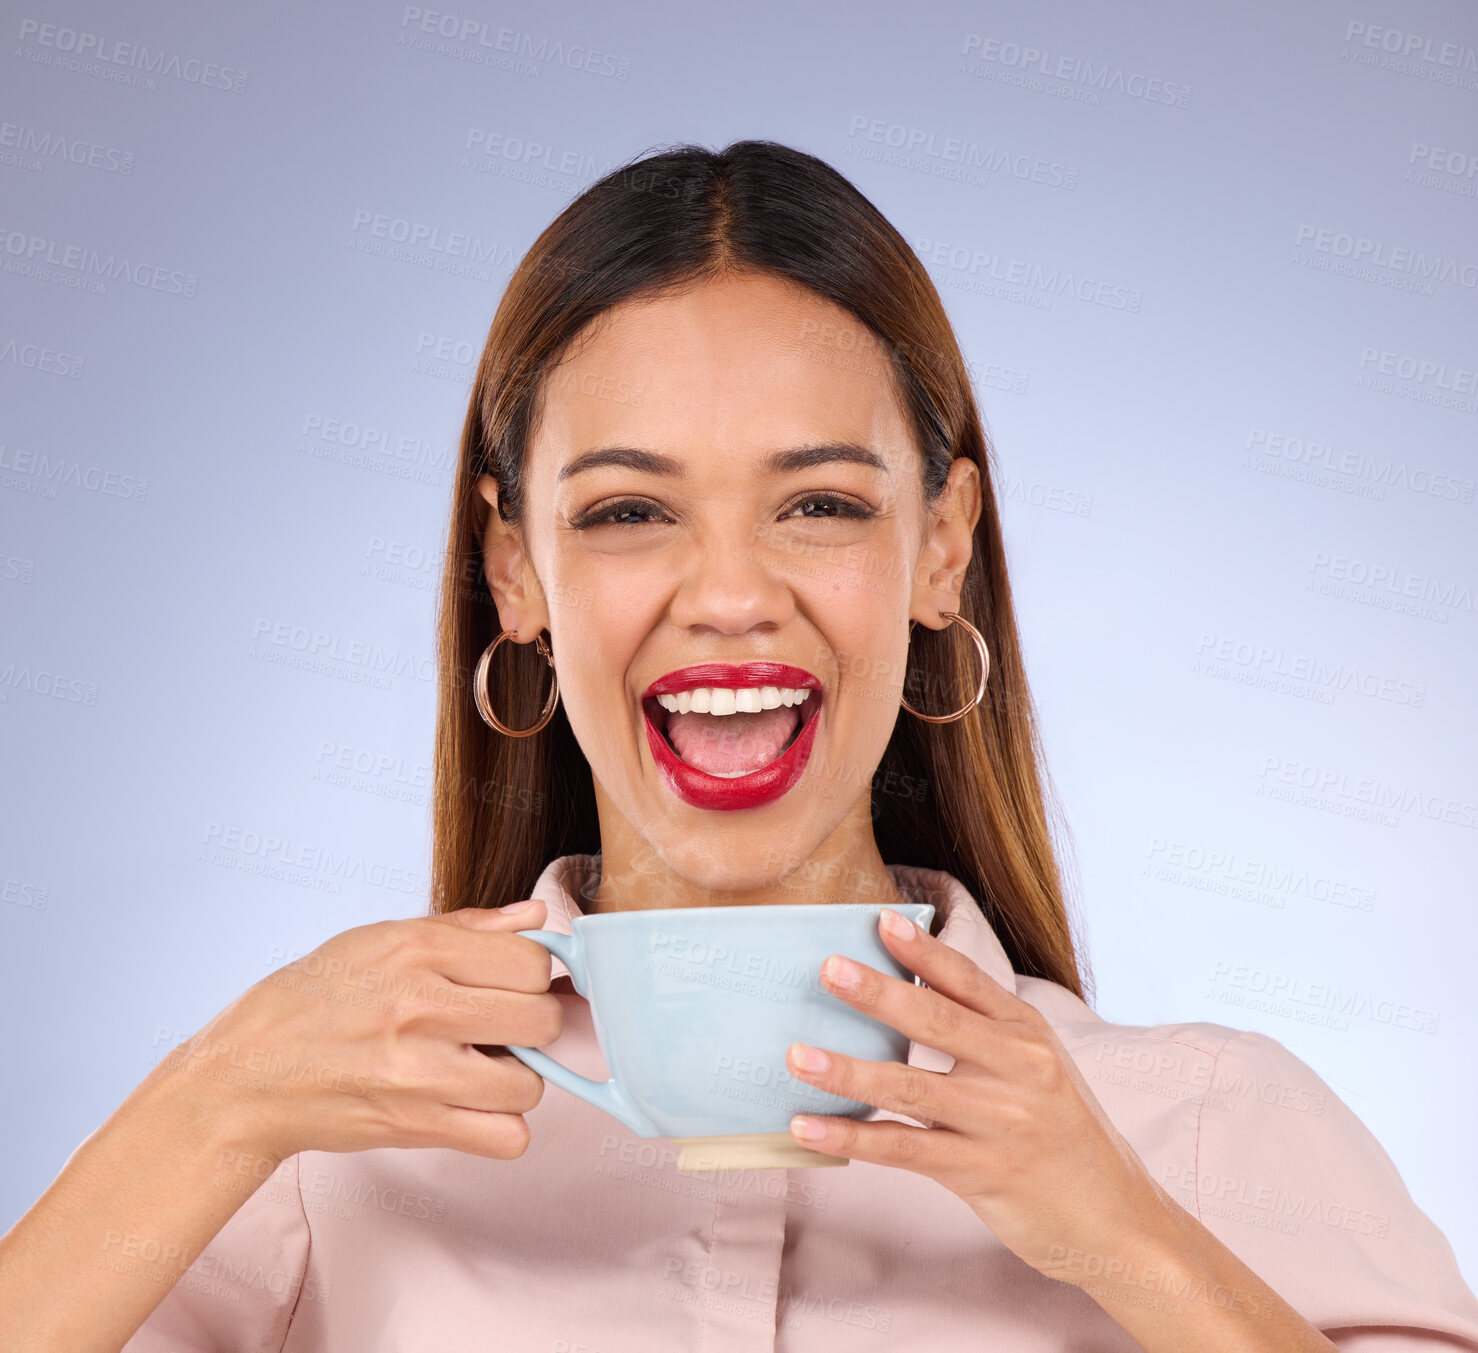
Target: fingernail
(809, 1058)
(842, 973)
(807, 1129)
(900, 927)
(518, 906)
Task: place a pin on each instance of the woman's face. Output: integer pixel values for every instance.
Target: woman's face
(728, 477)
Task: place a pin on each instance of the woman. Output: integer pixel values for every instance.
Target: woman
(720, 420)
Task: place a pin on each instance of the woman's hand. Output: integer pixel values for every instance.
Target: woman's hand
(1012, 1128)
(372, 1040)
(367, 1041)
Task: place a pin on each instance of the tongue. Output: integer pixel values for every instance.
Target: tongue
(732, 743)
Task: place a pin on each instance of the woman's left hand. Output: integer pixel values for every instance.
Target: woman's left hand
(1013, 1128)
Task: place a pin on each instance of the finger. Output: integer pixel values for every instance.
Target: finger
(499, 1136)
(492, 1082)
(923, 1150)
(429, 1073)
(947, 970)
(530, 914)
(456, 1015)
(925, 1016)
(895, 1087)
(485, 950)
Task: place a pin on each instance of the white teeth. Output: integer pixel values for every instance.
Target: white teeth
(732, 700)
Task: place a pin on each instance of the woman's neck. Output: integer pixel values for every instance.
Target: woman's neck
(846, 867)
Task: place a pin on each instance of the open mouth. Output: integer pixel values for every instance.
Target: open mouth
(728, 735)
(732, 731)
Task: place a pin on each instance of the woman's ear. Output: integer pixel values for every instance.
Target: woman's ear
(505, 564)
(950, 542)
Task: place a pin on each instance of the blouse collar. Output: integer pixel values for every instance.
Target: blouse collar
(569, 878)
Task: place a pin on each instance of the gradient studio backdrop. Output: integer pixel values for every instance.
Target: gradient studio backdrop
(1215, 273)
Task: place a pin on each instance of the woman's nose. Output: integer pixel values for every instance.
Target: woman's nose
(732, 582)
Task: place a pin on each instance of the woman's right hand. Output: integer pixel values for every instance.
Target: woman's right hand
(372, 1040)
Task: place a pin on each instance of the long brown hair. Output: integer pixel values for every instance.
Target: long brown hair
(967, 797)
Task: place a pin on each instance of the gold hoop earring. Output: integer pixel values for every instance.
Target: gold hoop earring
(974, 634)
(480, 688)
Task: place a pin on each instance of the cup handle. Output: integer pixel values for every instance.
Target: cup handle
(608, 1096)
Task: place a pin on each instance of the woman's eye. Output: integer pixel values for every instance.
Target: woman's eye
(837, 505)
(637, 512)
(614, 513)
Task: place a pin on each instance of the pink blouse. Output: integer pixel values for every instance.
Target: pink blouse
(593, 1242)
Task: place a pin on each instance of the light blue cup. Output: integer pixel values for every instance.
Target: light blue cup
(694, 1009)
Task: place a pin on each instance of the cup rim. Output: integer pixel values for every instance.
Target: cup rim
(774, 910)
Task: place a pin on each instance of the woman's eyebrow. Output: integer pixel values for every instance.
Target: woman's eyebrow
(777, 462)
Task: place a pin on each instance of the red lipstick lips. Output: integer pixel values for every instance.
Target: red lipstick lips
(759, 787)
